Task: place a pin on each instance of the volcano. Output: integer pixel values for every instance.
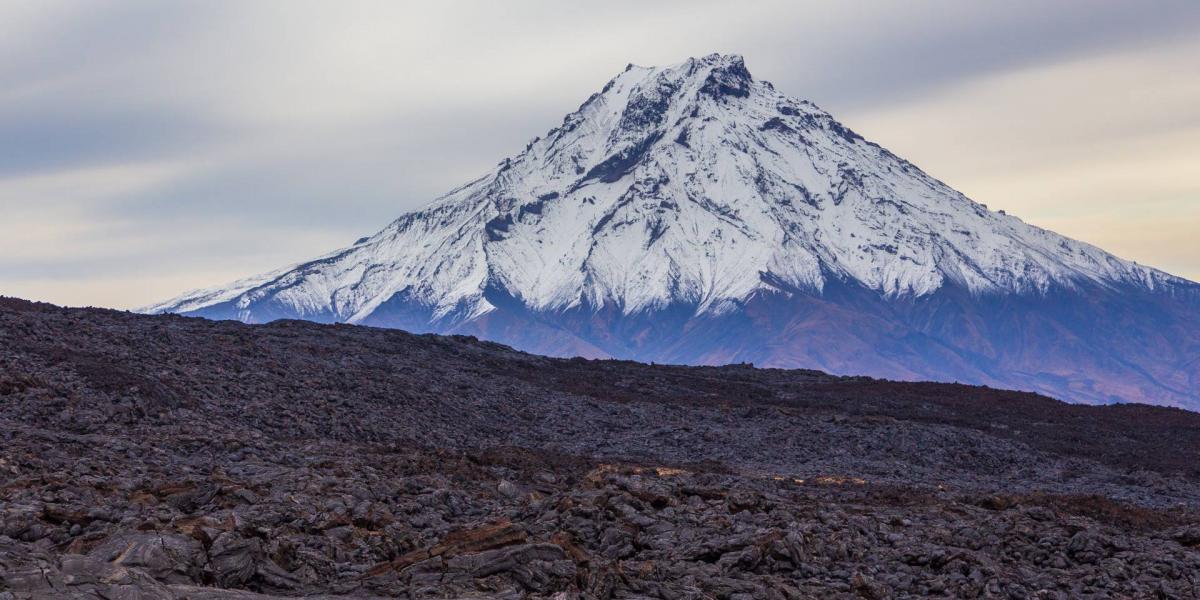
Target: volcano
(692, 214)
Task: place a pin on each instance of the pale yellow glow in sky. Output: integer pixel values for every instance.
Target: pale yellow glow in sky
(1104, 149)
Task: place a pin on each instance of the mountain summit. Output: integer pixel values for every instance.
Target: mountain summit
(693, 214)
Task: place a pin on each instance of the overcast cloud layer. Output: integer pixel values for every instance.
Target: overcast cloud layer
(148, 148)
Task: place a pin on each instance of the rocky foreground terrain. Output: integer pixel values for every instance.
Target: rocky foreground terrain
(172, 457)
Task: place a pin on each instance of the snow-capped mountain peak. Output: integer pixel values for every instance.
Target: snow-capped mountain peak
(694, 185)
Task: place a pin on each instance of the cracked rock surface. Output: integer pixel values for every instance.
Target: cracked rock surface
(167, 457)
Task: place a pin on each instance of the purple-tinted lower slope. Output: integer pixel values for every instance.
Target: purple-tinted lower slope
(1090, 343)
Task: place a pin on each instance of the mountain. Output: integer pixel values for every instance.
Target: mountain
(693, 214)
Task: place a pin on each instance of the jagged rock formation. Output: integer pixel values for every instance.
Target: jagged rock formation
(692, 214)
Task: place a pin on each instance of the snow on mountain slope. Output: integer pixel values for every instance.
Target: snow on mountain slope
(691, 214)
(690, 184)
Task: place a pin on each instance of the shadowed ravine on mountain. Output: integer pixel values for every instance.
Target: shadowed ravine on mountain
(169, 457)
(693, 214)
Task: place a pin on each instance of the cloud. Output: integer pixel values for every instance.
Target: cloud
(195, 142)
(904, 50)
(45, 137)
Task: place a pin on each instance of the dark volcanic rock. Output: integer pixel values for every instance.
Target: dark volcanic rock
(165, 457)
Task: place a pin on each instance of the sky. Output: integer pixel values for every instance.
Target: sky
(150, 148)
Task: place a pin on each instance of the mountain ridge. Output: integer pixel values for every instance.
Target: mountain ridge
(690, 193)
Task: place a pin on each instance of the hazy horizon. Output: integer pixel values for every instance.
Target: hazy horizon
(154, 148)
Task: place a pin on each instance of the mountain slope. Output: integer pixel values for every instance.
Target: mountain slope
(693, 214)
